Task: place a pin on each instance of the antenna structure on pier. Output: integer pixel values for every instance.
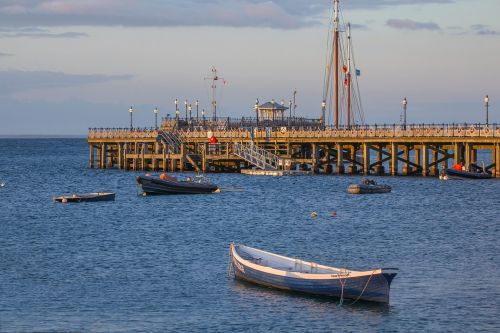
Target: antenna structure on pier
(214, 78)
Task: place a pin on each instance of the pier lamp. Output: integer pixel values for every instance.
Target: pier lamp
(186, 107)
(290, 108)
(177, 111)
(203, 116)
(405, 103)
(190, 108)
(156, 117)
(130, 110)
(323, 110)
(486, 105)
(256, 109)
(273, 103)
(197, 106)
(282, 111)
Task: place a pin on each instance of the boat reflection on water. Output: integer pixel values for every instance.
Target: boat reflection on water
(316, 305)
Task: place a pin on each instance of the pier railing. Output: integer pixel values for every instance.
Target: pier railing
(123, 133)
(366, 131)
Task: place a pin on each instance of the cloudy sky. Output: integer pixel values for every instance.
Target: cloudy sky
(66, 65)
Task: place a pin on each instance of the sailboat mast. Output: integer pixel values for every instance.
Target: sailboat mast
(214, 88)
(336, 59)
(348, 75)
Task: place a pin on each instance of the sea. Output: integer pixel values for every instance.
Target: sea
(160, 263)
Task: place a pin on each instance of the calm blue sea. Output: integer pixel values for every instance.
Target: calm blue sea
(158, 264)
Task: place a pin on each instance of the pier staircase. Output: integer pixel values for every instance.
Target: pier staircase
(172, 141)
(257, 156)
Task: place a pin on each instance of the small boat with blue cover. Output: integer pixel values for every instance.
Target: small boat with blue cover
(86, 197)
(461, 174)
(273, 270)
(166, 184)
(368, 186)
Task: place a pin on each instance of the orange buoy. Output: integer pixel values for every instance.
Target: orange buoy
(334, 214)
(163, 176)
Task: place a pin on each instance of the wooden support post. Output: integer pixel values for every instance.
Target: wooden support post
(444, 163)
(204, 157)
(119, 150)
(340, 159)
(406, 165)
(353, 168)
(467, 156)
(164, 157)
(394, 159)
(473, 155)
(417, 159)
(497, 164)
(91, 155)
(103, 155)
(134, 164)
(110, 158)
(494, 160)
(366, 159)
(379, 168)
(434, 169)
(458, 153)
(143, 158)
(425, 160)
(314, 158)
(182, 160)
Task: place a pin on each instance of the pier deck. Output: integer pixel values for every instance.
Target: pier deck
(388, 149)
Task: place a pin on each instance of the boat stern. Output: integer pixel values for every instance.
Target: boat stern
(389, 274)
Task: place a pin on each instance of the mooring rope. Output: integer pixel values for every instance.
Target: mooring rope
(342, 291)
(366, 285)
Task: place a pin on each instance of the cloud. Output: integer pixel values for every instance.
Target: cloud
(484, 30)
(34, 32)
(14, 81)
(43, 35)
(2, 54)
(284, 14)
(411, 25)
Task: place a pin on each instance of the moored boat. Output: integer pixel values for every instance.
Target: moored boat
(86, 197)
(166, 184)
(273, 270)
(368, 186)
(453, 173)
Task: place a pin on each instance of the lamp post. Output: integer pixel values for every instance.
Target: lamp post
(256, 108)
(156, 117)
(177, 112)
(203, 116)
(405, 103)
(186, 108)
(197, 106)
(323, 109)
(130, 110)
(273, 103)
(487, 104)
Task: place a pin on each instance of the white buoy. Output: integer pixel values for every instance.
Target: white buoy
(314, 215)
(2, 184)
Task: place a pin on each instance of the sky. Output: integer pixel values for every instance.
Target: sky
(67, 65)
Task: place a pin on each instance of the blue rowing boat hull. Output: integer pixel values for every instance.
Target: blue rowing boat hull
(373, 287)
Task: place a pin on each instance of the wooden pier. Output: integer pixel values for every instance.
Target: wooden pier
(378, 150)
